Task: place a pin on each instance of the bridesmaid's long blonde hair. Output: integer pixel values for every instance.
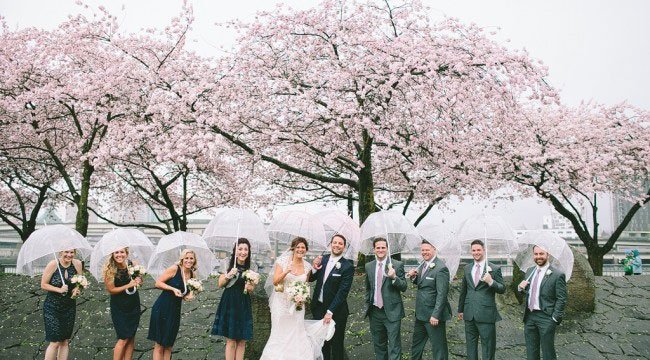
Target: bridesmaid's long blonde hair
(110, 266)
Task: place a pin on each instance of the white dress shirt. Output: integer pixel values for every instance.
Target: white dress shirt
(535, 302)
(328, 269)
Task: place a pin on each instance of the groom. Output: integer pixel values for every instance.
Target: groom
(333, 275)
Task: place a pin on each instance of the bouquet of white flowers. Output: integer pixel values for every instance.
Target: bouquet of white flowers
(136, 271)
(79, 281)
(194, 285)
(298, 293)
(252, 277)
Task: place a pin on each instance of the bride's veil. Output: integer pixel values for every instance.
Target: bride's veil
(283, 260)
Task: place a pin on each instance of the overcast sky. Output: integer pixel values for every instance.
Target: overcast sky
(595, 50)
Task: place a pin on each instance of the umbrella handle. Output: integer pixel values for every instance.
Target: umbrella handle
(531, 276)
(59, 269)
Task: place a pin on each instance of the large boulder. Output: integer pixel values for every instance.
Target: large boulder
(582, 286)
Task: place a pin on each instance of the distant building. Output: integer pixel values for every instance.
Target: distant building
(559, 225)
(641, 220)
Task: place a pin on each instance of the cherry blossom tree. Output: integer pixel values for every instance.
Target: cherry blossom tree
(570, 155)
(369, 100)
(25, 188)
(61, 87)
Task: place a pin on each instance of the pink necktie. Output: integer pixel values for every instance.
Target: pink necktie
(533, 292)
(379, 302)
(477, 274)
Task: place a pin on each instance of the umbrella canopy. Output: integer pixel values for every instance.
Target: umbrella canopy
(169, 248)
(500, 241)
(140, 248)
(447, 249)
(560, 257)
(337, 222)
(291, 224)
(400, 234)
(44, 244)
(229, 224)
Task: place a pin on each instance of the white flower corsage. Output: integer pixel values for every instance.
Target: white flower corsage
(548, 272)
(432, 265)
(337, 265)
(390, 266)
(488, 268)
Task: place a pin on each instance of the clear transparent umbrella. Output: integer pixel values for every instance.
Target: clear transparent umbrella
(140, 249)
(498, 237)
(448, 249)
(169, 248)
(291, 224)
(44, 244)
(337, 222)
(400, 234)
(561, 255)
(228, 225)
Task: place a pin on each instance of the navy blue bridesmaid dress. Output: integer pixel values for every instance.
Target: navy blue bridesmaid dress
(166, 313)
(234, 318)
(59, 311)
(125, 308)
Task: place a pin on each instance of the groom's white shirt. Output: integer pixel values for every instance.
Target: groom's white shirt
(328, 268)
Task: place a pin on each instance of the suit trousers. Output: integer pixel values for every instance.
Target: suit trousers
(385, 335)
(334, 349)
(437, 335)
(539, 328)
(488, 334)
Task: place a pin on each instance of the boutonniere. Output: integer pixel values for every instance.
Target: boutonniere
(548, 272)
(390, 266)
(488, 268)
(337, 265)
(432, 265)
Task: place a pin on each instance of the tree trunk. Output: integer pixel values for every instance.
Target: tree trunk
(81, 223)
(595, 258)
(366, 182)
(350, 205)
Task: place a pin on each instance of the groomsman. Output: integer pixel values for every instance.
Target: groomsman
(333, 275)
(477, 304)
(385, 282)
(546, 295)
(432, 309)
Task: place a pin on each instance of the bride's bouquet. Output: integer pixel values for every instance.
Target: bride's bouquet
(79, 281)
(252, 277)
(194, 286)
(298, 293)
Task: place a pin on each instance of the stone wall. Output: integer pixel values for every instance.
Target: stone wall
(617, 329)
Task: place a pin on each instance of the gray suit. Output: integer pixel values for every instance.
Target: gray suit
(385, 323)
(431, 301)
(479, 309)
(539, 325)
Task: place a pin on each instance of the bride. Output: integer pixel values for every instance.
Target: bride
(292, 337)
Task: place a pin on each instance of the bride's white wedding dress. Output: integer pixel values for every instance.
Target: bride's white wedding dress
(293, 337)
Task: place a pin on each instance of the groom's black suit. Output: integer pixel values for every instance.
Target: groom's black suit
(335, 294)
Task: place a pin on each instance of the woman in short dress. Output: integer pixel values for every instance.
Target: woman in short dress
(234, 317)
(125, 302)
(166, 311)
(59, 308)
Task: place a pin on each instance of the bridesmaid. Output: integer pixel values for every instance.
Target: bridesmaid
(125, 308)
(234, 318)
(166, 312)
(59, 308)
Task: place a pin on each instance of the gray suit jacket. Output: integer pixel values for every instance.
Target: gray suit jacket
(390, 290)
(552, 293)
(478, 302)
(432, 289)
